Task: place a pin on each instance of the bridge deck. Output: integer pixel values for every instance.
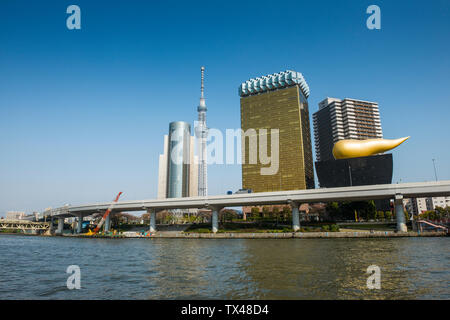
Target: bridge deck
(372, 192)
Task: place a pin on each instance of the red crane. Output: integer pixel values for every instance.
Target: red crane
(108, 211)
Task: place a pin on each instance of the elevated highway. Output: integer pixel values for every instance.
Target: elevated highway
(293, 198)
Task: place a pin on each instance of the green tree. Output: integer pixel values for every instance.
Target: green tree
(440, 212)
(333, 209)
(254, 213)
(388, 215)
(266, 211)
(286, 212)
(371, 209)
(380, 215)
(276, 213)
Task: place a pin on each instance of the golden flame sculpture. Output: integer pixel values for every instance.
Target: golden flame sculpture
(344, 149)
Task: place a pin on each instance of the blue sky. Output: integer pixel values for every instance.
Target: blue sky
(83, 112)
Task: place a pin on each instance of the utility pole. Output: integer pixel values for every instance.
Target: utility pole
(434, 165)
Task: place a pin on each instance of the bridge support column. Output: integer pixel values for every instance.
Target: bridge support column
(79, 223)
(60, 226)
(295, 216)
(215, 219)
(152, 216)
(108, 223)
(400, 213)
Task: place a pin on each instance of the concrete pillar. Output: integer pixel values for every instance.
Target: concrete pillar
(51, 230)
(108, 223)
(295, 216)
(60, 226)
(215, 219)
(152, 216)
(400, 214)
(79, 223)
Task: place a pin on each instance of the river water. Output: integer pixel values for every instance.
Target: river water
(411, 268)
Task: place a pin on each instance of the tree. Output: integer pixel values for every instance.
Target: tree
(276, 213)
(115, 220)
(388, 215)
(255, 212)
(380, 215)
(228, 215)
(447, 211)
(440, 212)
(371, 209)
(286, 212)
(266, 211)
(333, 209)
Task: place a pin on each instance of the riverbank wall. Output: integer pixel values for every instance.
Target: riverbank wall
(263, 235)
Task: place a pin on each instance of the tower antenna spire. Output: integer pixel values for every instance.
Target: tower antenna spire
(202, 134)
(203, 79)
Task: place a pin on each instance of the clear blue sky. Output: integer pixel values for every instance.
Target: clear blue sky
(83, 112)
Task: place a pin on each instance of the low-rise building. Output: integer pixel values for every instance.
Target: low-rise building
(15, 215)
(419, 205)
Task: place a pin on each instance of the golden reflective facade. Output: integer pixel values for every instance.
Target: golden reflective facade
(287, 110)
(345, 149)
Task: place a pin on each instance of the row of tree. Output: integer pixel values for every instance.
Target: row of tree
(351, 210)
(346, 210)
(437, 214)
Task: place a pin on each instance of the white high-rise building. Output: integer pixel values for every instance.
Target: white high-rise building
(178, 168)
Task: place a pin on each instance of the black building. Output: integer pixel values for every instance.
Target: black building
(355, 171)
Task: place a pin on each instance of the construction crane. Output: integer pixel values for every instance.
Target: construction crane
(108, 211)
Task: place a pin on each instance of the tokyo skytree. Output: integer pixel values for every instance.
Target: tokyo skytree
(202, 133)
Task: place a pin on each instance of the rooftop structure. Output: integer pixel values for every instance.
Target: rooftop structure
(274, 81)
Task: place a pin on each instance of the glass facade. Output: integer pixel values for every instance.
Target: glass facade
(178, 159)
(285, 109)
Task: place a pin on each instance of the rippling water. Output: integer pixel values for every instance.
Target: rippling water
(411, 268)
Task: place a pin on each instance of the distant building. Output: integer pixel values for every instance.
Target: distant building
(278, 101)
(15, 215)
(339, 119)
(178, 167)
(353, 119)
(419, 205)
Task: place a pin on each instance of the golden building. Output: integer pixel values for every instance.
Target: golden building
(277, 101)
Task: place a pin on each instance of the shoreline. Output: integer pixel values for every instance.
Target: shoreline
(265, 235)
